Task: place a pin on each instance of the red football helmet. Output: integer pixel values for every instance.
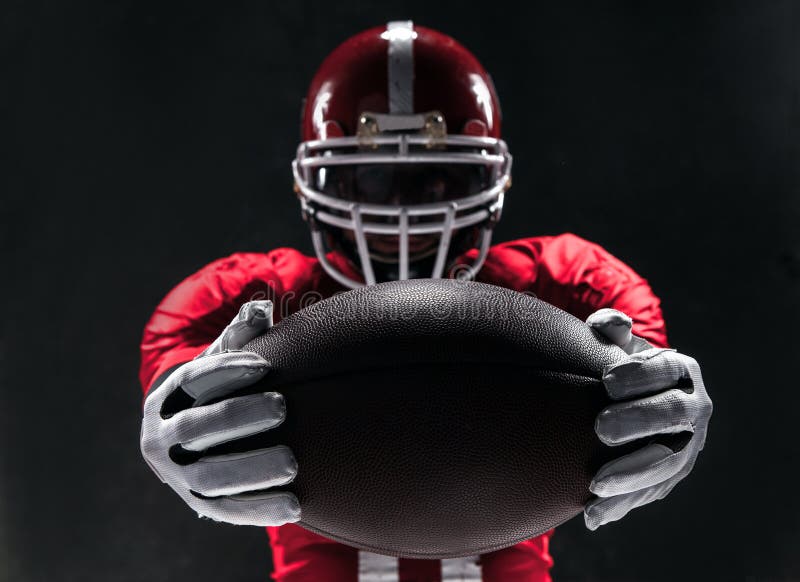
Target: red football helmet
(402, 168)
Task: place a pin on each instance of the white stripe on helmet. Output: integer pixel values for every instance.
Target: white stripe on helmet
(400, 35)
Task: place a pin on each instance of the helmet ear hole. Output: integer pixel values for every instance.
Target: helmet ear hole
(475, 127)
(330, 129)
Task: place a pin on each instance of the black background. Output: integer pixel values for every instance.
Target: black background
(142, 140)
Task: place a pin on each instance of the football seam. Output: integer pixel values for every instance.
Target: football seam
(559, 375)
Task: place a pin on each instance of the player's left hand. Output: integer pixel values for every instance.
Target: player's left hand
(661, 392)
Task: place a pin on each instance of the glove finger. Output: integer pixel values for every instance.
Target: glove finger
(197, 429)
(601, 511)
(643, 468)
(636, 345)
(668, 412)
(253, 319)
(262, 509)
(646, 372)
(241, 472)
(612, 324)
(221, 374)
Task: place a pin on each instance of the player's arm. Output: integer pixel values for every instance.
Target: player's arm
(579, 277)
(193, 314)
(192, 365)
(660, 392)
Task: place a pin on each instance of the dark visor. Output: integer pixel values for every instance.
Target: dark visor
(402, 184)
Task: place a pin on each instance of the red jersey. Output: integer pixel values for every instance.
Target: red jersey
(566, 271)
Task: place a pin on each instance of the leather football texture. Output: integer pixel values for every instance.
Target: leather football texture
(437, 418)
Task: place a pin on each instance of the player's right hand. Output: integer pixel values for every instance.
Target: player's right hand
(235, 487)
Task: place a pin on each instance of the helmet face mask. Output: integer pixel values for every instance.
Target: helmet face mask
(400, 197)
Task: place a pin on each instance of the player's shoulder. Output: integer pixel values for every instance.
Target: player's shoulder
(564, 257)
(243, 273)
(566, 242)
(559, 251)
(277, 260)
(537, 250)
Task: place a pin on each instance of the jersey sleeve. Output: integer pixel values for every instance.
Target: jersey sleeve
(196, 311)
(577, 276)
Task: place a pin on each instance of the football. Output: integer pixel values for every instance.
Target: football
(437, 418)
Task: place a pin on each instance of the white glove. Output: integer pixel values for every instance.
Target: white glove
(232, 487)
(662, 392)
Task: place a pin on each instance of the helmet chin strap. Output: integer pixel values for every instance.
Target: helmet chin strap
(469, 272)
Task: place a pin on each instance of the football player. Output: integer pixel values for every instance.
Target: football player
(401, 174)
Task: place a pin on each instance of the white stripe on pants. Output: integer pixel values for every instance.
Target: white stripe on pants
(377, 568)
(461, 570)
